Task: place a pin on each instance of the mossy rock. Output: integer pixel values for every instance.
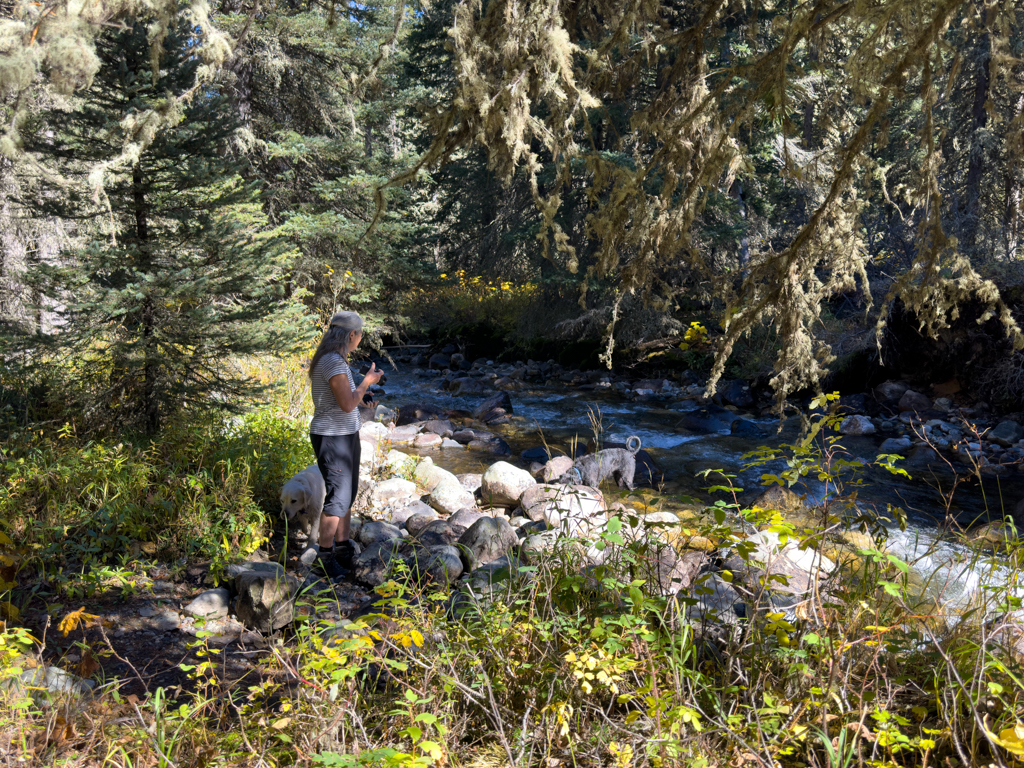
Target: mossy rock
(1000, 536)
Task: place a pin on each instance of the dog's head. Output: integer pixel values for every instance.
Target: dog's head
(293, 499)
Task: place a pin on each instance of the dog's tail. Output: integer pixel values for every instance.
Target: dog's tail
(633, 444)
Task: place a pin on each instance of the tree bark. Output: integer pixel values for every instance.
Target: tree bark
(976, 158)
(150, 368)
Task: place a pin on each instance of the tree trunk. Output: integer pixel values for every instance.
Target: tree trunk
(150, 368)
(976, 158)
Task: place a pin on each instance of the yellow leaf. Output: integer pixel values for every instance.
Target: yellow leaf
(11, 612)
(5, 540)
(70, 622)
(417, 638)
(280, 725)
(1011, 739)
(7, 560)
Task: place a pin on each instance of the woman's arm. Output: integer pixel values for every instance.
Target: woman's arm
(347, 399)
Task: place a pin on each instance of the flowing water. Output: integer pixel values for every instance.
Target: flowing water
(931, 499)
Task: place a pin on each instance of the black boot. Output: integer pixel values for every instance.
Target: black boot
(326, 564)
(344, 553)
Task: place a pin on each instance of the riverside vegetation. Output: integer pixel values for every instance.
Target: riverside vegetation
(574, 656)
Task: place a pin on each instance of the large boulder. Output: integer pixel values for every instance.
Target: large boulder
(428, 475)
(441, 427)
(708, 420)
(465, 517)
(437, 533)
(1006, 433)
(390, 492)
(212, 604)
(449, 496)
(494, 410)
(735, 393)
(914, 401)
(373, 432)
(503, 484)
(471, 481)
(438, 362)
(488, 539)
(555, 468)
(374, 565)
(417, 523)
(265, 600)
(576, 510)
(427, 441)
(417, 412)
(375, 531)
(715, 601)
(444, 565)
(400, 514)
(856, 425)
(890, 391)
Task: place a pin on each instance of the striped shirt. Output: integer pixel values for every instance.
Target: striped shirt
(328, 418)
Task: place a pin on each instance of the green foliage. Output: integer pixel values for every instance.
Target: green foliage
(173, 270)
(205, 490)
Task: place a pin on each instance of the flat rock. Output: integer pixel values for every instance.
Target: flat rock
(427, 441)
(447, 444)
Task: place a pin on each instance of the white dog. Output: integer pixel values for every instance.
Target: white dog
(302, 498)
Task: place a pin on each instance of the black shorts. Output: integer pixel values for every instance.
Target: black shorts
(337, 456)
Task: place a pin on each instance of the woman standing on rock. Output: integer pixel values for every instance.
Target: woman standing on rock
(334, 433)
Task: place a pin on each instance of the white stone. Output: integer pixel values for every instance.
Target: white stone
(393, 490)
(212, 604)
(503, 484)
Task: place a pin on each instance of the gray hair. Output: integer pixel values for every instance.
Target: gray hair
(336, 336)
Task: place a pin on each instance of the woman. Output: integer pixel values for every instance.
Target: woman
(334, 433)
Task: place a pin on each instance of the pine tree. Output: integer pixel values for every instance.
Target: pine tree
(179, 275)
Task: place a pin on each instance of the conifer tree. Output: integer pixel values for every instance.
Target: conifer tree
(176, 274)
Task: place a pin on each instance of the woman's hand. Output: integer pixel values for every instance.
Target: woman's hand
(372, 375)
(347, 399)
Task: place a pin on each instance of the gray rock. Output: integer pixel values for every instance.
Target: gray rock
(493, 446)
(223, 631)
(735, 393)
(488, 539)
(452, 445)
(265, 601)
(417, 523)
(401, 514)
(212, 604)
(890, 391)
(441, 427)
(427, 441)
(895, 445)
(471, 481)
(236, 569)
(555, 468)
(1006, 433)
(438, 533)
(438, 362)
(375, 531)
(574, 509)
(708, 420)
(494, 410)
(716, 602)
(395, 489)
(449, 496)
(465, 517)
(374, 565)
(504, 484)
(43, 681)
(444, 566)
(536, 545)
(404, 434)
(856, 425)
(914, 401)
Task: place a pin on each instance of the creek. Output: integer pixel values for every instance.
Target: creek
(934, 500)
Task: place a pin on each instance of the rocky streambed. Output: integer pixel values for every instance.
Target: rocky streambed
(460, 491)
